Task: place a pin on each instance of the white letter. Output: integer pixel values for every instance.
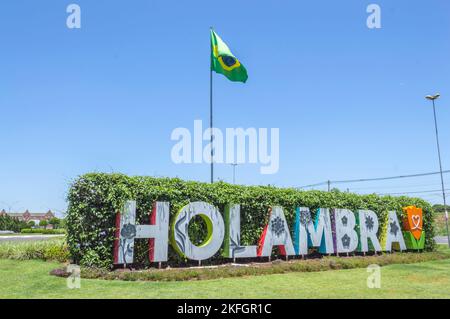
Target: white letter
(217, 146)
(129, 231)
(157, 232)
(229, 155)
(74, 279)
(318, 233)
(374, 20)
(198, 141)
(394, 232)
(274, 159)
(233, 248)
(276, 234)
(346, 236)
(374, 279)
(180, 237)
(74, 19)
(241, 135)
(181, 151)
(368, 228)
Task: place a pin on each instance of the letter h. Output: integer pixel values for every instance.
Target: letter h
(127, 231)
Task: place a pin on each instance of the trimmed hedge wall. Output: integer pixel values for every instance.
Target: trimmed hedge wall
(58, 231)
(94, 199)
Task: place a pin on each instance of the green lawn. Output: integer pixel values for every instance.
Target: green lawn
(30, 279)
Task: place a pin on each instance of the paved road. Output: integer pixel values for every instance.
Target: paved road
(441, 240)
(27, 237)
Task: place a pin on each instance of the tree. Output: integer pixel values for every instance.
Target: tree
(55, 221)
(11, 223)
(438, 208)
(43, 223)
(62, 223)
(31, 223)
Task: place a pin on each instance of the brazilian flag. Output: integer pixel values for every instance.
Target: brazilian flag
(224, 62)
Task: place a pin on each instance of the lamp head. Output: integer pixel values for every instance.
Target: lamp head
(432, 97)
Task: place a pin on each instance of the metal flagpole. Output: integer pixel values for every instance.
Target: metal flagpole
(211, 112)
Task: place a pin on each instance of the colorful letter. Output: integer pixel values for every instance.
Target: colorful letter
(413, 228)
(309, 234)
(215, 231)
(346, 236)
(127, 231)
(276, 233)
(368, 229)
(393, 233)
(232, 246)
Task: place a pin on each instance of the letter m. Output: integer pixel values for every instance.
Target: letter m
(313, 233)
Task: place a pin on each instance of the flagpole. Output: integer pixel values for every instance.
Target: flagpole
(211, 113)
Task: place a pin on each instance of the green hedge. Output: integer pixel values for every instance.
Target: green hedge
(94, 198)
(43, 231)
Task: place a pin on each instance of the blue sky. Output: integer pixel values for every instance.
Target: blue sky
(349, 101)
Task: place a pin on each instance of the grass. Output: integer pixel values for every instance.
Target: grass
(56, 250)
(31, 279)
(266, 268)
(49, 249)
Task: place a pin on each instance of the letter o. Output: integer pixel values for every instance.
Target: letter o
(179, 236)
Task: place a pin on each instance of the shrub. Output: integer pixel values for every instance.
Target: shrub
(43, 223)
(43, 231)
(55, 222)
(439, 208)
(95, 198)
(279, 267)
(55, 250)
(11, 223)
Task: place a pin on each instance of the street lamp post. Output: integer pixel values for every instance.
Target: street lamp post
(234, 172)
(432, 98)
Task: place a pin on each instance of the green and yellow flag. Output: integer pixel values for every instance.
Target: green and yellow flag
(224, 62)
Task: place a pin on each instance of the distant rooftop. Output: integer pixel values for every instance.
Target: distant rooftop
(27, 212)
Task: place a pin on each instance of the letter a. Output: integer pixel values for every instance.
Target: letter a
(74, 19)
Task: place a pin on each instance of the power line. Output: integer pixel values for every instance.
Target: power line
(395, 186)
(373, 179)
(416, 192)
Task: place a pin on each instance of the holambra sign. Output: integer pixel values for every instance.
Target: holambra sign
(331, 231)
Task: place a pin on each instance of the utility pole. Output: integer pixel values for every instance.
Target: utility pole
(234, 172)
(433, 98)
